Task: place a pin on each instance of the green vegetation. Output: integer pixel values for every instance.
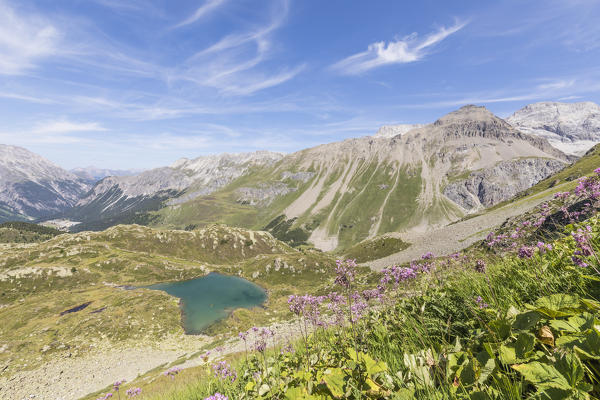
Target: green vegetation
(25, 232)
(376, 248)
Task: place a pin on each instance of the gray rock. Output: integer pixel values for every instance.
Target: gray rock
(485, 188)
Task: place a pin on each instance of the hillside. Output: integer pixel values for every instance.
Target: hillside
(24, 232)
(338, 194)
(32, 187)
(40, 283)
(125, 199)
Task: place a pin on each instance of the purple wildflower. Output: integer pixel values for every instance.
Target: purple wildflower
(217, 396)
(480, 266)
(133, 392)
(172, 372)
(482, 304)
(223, 370)
(117, 384)
(345, 271)
(525, 252)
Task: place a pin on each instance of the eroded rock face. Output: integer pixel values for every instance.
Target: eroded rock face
(262, 195)
(485, 188)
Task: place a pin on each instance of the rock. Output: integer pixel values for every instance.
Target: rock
(488, 187)
(571, 127)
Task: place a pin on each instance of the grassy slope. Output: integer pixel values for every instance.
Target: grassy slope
(70, 270)
(24, 232)
(350, 213)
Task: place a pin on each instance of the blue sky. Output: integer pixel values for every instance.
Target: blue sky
(141, 83)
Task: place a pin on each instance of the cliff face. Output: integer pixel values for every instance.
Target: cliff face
(485, 188)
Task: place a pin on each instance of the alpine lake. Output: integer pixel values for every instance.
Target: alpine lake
(211, 298)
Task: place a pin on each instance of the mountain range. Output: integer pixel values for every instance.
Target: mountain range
(403, 178)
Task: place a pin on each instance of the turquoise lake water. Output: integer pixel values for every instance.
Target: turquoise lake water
(208, 299)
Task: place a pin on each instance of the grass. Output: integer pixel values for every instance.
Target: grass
(376, 248)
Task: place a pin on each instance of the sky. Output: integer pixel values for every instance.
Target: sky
(142, 83)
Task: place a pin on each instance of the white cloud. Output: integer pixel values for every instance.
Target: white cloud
(66, 126)
(205, 9)
(24, 40)
(234, 64)
(409, 49)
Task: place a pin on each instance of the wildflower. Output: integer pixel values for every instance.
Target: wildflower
(543, 247)
(525, 252)
(480, 266)
(117, 384)
(482, 304)
(582, 242)
(172, 372)
(579, 262)
(217, 396)
(344, 271)
(427, 256)
(223, 370)
(133, 392)
(105, 397)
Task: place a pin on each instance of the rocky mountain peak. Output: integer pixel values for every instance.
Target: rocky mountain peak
(467, 114)
(572, 127)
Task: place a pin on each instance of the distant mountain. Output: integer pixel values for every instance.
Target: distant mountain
(124, 199)
(389, 131)
(337, 194)
(94, 174)
(571, 127)
(32, 187)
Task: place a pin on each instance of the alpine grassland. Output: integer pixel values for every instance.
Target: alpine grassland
(516, 316)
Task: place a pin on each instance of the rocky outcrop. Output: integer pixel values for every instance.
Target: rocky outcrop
(262, 195)
(298, 176)
(485, 188)
(571, 127)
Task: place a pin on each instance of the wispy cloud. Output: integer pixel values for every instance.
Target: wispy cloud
(234, 64)
(24, 40)
(66, 126)
(205, 9)
(406, 50)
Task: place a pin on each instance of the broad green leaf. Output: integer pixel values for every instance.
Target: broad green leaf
(512, 312)
(404, 394)
(526, 320)
(334, 379)
(264, 389)
(507, 354)
(500, 328)
(468, 374)
(487, 363)
(524, 345)
(571, 368)
(557, 305)
(373, 367)
(298, 393)
(542, 375)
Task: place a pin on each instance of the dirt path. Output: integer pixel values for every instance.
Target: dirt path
(452, 238)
